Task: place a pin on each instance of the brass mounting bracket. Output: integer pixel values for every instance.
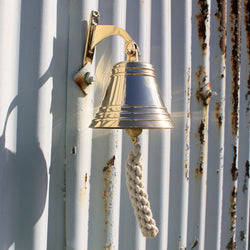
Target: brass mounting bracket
(97, 33)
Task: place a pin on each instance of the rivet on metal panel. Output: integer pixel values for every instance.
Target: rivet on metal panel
(202, 19)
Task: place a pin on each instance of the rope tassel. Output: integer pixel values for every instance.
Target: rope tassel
(138, 195)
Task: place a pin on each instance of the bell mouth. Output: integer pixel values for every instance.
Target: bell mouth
(132, 100)
(132, 117)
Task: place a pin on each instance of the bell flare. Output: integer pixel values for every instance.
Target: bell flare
(132, 100)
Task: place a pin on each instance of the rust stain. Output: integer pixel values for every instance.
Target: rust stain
(218, 114)
(234, 170)
(204, 92)
(247, 169)
(231, 244)
(196, 173)
(202, 19)
(221, 16)
(85, 179)
(186, 175)
(201, 165)
(233, 208)
(235, 19)
(110, 163)
(195, 243)
(107, 192)
(201, 131)
(247, 29)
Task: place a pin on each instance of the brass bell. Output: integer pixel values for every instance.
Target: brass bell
(132, 99)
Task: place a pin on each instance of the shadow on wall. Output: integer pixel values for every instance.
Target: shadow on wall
(23, 175)
(23, 185)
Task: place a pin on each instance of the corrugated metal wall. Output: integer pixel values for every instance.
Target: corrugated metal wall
(55, 192)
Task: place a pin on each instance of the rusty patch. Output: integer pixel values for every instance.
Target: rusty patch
(235, 19)
(110, 163)
(234, 170)
(201, 165)
(86, 178)
(231, 244)
(195, 243)
(196, 172)
(218, 114)
(233, 208)
(202, 132)
(204, 92)
(247, 169)
(202, 19)
(221, 16)
(247, 29)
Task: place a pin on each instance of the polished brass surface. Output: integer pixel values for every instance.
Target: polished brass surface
(134, 133)
(97, 33)
(132, 100)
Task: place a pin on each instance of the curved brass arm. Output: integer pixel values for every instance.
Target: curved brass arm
(97, 33)
(103, 31)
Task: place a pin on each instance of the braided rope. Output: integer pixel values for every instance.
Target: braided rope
(138, 196)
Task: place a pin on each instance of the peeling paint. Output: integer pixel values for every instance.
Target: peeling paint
(202, 20)
(201, 131)
(231, 244)
(218, 114)
(233, 209)
(204, 91)
(235, 19)
(221, 16)
(107, 192)
(195, 243)
(247, 29)
(247, 169)
(234, 170)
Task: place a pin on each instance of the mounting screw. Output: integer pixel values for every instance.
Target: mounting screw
(88, 78)
(84, 79)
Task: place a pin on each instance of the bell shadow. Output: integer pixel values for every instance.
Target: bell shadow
(23, 174)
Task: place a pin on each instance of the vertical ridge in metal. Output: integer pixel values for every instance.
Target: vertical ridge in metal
(228, 238)
(78, 134)
(144, 45)
(166, 88)
(242, 231)
(216, 125)
(115, 143)
(200, 124)
(182, 240)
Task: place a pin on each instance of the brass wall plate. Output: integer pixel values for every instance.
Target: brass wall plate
(89, 50)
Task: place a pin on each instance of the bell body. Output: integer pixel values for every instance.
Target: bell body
(132, 100)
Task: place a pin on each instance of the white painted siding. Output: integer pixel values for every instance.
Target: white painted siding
(55, 191)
